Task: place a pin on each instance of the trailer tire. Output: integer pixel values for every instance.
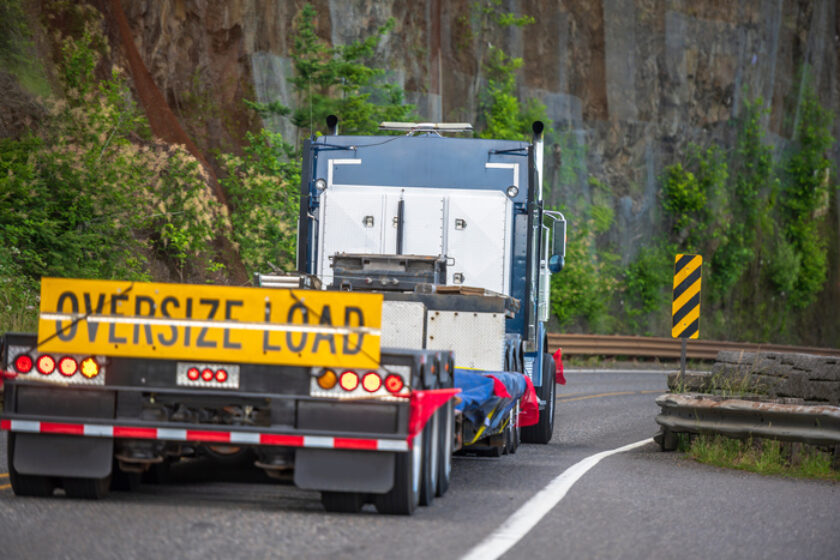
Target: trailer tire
(447, 431)
(431, 456)
(544, 429)
(26, 484)
(404, 496)
(342, 502)
(87, 488)
(125, 481)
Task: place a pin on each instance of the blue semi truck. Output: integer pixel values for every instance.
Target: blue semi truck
(413, 328)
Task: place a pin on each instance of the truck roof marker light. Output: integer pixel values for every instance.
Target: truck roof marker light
(67, 366)
(371, 382)
(512, 191)
(221, 375)
(327, 379)
(89, 367)
(45, 364)
(207, 374)
(23, 363)
(394, 383)
(193, 374)
(349, 380)
(321, 185)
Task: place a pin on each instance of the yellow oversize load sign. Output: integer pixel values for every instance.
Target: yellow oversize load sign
(210, 323)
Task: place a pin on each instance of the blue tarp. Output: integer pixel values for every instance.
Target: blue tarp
(478, 399)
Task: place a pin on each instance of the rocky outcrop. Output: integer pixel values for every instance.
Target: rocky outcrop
(804, 377)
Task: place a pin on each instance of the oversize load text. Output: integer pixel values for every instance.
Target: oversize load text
(178, 321)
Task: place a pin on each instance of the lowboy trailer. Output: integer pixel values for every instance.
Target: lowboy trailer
(412, 329)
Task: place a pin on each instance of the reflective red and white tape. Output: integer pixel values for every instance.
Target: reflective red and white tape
(203, 436)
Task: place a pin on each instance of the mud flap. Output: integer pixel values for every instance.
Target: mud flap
(344, 471)
(58, 455)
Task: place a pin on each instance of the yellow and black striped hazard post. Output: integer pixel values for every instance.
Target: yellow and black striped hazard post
(686, 306)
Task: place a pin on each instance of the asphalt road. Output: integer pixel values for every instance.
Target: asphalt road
(638, 504)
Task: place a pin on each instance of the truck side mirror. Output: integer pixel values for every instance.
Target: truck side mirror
(558, 249)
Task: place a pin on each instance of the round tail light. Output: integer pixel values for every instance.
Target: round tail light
(207, 374)
(193, 374)
(23, 363)
(371, 382)
(221, 375)
(45, 364)
(349, 380)
(67, 366)
(394, 383)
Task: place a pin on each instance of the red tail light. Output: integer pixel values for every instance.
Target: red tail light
(193, 374)
(394, 383)
(89, 367)
(349, 380)
(371, 382)
(221, 376)
(45, 364)
(23, 363)
(67, 366)
(207, 374)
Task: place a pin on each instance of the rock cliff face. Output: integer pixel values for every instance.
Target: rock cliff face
(627, 83)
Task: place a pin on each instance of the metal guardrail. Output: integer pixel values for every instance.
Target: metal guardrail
(654, 347)
(707, 414)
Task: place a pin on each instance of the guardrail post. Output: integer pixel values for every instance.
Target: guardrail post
(684, 346)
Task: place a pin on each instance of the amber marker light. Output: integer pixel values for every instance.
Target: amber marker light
(327, 380)
(89, 368)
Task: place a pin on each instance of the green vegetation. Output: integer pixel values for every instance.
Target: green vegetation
(758, 217)
(765, 456)
(90, 193)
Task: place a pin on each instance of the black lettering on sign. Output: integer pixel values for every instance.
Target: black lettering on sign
(326, 319)
(360, 317)
(291, 319)
(93, 328)
(187, 329)
(70, 332)
(164, 308)
(112, 328)
(214, 306)
(266, 346)
(226, 342)
(138, 312)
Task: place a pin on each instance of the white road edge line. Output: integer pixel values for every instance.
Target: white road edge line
(526, 517)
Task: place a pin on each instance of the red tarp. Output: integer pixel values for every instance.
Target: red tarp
(529, 405)
(423, 405)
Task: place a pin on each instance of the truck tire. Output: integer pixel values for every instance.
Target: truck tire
(431, 457)
(447, 435)
(26, 484)
(404, 496)
(87, 488)
(124, 481)
(544, 429)
(342, 502)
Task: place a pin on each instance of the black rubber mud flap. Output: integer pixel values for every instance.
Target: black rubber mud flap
(26, 485)
(58, 455)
